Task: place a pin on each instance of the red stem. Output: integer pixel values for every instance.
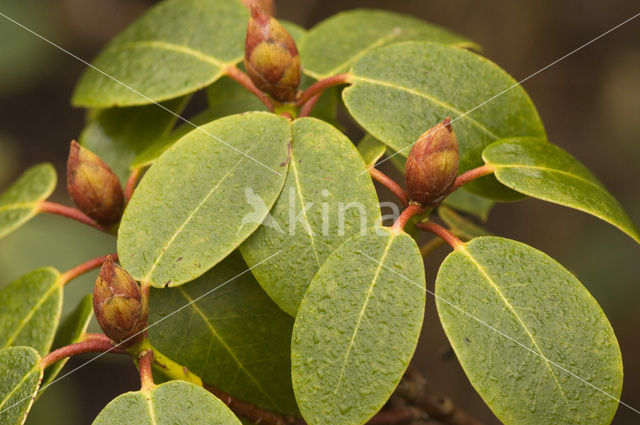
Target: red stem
(70, 212)
(146, 375)
(85, 267)
(131, 183)
(386, 181)
(474, 173)
(441, 232)
(93, 343)
(308, 106)
(319, 86)
(408, 212)
(242, 78)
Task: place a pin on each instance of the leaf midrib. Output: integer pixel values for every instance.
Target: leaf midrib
(463, 250)
(551, 170)
(18, 206)
(215, 333)
(20, 383)
(364, 307)
(461, 115)
(165, 45)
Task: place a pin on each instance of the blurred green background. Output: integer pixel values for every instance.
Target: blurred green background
(589, 102)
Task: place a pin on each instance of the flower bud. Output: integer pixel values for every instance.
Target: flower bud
(271, 57)
(118, 303)
(432, 165)
(93, 186)
(267, 5)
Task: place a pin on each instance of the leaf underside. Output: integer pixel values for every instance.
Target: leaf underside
(19, 383)
(531, 339)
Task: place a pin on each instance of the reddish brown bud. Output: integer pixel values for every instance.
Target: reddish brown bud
(271, 57)
(93, 186)
(267, 5)
(432, 166)
(119, 304)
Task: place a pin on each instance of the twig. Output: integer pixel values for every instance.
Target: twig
(131, 183)
(474, 173)
(242, 78)
(441, 232)
(414, 389)
(69, 212)
(405, 215)
(146, 375)
(85, 267)
(306, 109)
(319, 86)
(93, 343)
(390, 184)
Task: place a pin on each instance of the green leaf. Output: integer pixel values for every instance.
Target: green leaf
(328, 197)
(333, 45)
(460, 226)
(203, 198)
(72, 330)
(357, 328)
(118, 135)
(531, 339)
(19, 381)
(19, 202)
(371, 150)
(468, 202)
(227, 97)
(176, 48)
(402, 90)
(171, 403)
(542, 170)
(230, 334)
(30, 310)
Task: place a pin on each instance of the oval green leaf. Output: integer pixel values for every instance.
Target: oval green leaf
(357, 328)
(171, 403)
(470, 203)
(19, 381)
(328, 197)
(333, 45)
(371, 150)
(203, 198)
(19, 202)
(119, 135)
(230, 334)
(402, 90)
(72, 330)
(531, 339)
(30, 309)
(188, 42)
(545, 171)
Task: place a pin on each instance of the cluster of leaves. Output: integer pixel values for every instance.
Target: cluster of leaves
(325, 323)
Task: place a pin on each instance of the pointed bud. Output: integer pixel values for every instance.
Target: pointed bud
(118, 303)
(432, 165)
(271, 57)
(93, 186)
(267, 5)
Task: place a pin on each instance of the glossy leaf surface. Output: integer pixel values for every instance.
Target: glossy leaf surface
(327, 198)
(176, 48)
(545, 171)
(171, 403)
(119, 135)
(19, 202)
(30, 310)
(531, 339)
(72, 329)
(357, 328)
(234, 337)
(203, 198)
(333, 45)
(19, 383)
(402, 90)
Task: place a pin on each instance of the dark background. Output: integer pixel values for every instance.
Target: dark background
(589, 102)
